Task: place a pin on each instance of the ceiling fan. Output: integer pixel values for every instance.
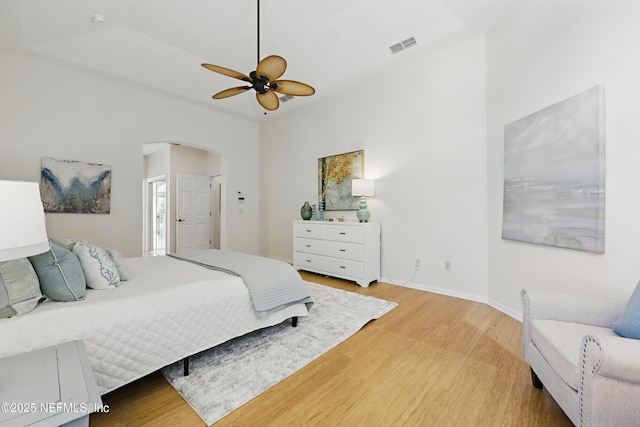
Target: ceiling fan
(264, 80)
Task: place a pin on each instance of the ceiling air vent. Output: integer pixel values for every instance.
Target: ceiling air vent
(286, 98)
(396, 48)
(403, 45)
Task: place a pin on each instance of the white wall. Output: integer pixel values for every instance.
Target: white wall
(544, 52)
(157, 163)
(422, 125)
(50, 110)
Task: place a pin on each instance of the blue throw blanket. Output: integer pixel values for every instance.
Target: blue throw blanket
(272, 284)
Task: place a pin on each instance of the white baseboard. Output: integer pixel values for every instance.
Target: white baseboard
(463, 295)
(448, 292)
(506, 310)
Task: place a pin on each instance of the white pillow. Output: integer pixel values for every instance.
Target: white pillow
(99, 269)
(121, 265)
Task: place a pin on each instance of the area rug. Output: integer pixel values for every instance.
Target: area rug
(225, 377)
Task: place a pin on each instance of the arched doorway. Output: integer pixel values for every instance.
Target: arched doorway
(170, 159)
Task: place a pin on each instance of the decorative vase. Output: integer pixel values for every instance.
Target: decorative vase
(305, 211)
(363, 213)
(313, 212)
(321, 207)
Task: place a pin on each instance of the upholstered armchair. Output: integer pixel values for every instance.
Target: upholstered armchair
(570, 344)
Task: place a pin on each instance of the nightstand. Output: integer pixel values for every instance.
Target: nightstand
(53, 386)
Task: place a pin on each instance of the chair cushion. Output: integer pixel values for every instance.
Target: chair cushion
(559, 343)
(628, 324)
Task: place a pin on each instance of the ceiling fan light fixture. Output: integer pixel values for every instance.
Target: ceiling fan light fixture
(264, 79)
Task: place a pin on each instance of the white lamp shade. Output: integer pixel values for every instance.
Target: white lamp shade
(363, 187)
(22, 225)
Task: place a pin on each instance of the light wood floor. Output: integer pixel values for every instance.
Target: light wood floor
(432, 361)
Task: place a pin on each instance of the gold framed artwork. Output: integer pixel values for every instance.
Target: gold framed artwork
(335, 174)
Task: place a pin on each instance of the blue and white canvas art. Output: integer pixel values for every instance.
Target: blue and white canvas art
(554, 180)
(69, 186)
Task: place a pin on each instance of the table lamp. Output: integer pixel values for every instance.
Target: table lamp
(363, 188)
(22, 222)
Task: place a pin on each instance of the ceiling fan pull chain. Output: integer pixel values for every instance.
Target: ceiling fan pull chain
(258, 32)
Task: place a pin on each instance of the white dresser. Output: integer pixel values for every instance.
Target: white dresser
(349, 250)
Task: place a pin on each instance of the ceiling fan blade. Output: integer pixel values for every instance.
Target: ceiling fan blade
(268, 100)
(272, 67)
(291, 87)
(227, 72)
(231, 92)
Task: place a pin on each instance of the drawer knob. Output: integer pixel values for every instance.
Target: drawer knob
(342, 233)
(343, 267)
(308, 246)
(308, 260)
(308, 231)
(343, 250)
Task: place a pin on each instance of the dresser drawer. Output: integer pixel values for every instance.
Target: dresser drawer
(345, 233)
(345, 267)
(311, 246)
(309, 261)
(344, 250)
(349, 250)
(309, 230)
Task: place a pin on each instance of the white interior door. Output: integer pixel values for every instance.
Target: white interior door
(216, 202)
(193, 213)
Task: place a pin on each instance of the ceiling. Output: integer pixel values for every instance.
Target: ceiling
(159, 45)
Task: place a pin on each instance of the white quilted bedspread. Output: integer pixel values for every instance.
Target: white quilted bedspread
(168, 310)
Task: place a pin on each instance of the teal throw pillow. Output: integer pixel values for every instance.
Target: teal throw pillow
(60, 243)
(60, 273)
(628, 324)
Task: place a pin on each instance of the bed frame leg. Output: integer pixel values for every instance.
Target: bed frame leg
(294, 321)
(185, 362)
(535, 380)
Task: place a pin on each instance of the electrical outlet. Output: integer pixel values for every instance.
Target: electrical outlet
(417, 262)
(447, 265)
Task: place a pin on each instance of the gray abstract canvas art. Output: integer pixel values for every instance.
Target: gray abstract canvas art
(554, 181)
(69, 186)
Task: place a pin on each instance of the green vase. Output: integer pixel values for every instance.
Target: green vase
(305, 211)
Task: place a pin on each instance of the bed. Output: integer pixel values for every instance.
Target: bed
(168, 310)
